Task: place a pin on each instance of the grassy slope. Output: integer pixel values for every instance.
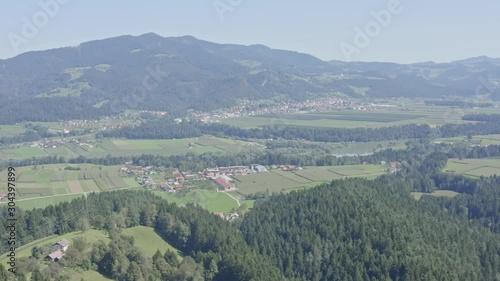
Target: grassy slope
(149, 241)
(145, 239)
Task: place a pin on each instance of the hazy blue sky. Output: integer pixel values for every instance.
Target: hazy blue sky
(421, 30)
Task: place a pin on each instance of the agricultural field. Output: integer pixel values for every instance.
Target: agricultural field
(39, 186)
(474, 167)
(390, 116)
(277, 180)
(123, 147)
(476, 140)
(24, 152)
(11, 130)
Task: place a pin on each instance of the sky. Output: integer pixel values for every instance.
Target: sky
(402, 31)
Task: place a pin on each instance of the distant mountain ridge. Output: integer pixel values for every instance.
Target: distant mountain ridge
(175, 74)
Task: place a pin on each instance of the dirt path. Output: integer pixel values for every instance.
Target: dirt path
(236, 199)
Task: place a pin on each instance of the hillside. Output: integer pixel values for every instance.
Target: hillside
(179, 73)
(361, 230)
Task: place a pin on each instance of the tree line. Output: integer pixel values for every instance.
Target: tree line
(166, 128)
(213, 248)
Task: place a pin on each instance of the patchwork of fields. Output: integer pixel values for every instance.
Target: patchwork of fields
(390, 116)
(277, 180)
(49, 184)
(122, 147)
(474, 167)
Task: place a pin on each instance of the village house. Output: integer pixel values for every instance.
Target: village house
(62, 244)
(233, 217)
(55, 256)
(189, 175)
(395, 167)
(289, 168)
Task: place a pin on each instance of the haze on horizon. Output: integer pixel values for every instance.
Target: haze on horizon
(401, 31)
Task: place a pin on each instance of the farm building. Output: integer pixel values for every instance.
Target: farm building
(62, 244)
(58, 250)
(233, 170)
(223, 183)
(258, 168)
(55, 256)
(211, 172)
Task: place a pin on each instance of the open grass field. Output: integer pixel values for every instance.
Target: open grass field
(210, 200)
(11, 130)
(277, 180)
(41, 186)
(90, 275)
(149, 241)
(42, 202)
(439, 193)
(389, 116)
(24, 152)
(474, 167)
(481, 139)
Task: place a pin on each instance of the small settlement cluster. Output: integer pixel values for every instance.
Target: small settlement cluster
(176, 180)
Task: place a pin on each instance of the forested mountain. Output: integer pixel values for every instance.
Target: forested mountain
(175, 74)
